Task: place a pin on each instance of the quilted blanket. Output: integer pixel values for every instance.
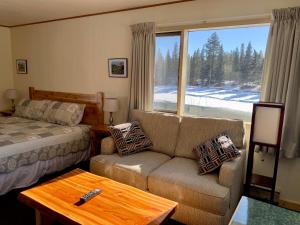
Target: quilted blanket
(24, 142)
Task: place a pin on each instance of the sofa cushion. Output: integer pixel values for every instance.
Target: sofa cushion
(212, 153)
(194, 131)
(102, 165)
(132, 169)
(178, 180)
(161, 128)
(130, 138)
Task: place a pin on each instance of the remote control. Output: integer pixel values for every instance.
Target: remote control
(90, 195)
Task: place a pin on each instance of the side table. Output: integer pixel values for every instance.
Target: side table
(98, 132)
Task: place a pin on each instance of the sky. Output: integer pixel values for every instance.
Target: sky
(229, 37)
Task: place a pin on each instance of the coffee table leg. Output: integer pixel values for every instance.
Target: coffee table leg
(37, 217)
(42, 219)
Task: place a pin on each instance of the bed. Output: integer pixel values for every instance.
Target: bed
(31, 149)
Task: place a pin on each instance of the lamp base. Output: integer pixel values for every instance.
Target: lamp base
(111, 120)
(13, 106)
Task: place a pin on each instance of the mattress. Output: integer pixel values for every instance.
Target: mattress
(24, 142)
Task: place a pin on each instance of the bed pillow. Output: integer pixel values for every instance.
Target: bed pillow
(130, 138)
(214, 152)
(64, 113)
(31, 109)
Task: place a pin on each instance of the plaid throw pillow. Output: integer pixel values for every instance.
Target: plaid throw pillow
(130, 138)
(214, 152)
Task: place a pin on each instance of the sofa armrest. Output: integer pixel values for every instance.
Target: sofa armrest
(108, 146)
(232, 176)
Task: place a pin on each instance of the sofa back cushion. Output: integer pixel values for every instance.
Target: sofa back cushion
(196, 130)
(161, 128)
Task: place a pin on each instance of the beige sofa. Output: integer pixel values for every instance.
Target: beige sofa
(171, 171)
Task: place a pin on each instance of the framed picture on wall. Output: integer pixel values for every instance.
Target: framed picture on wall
(117, 67)
(21, 66)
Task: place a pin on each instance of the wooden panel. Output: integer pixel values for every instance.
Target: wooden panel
(289, 205)
(262, 181)
(117, 204)
(93, 113)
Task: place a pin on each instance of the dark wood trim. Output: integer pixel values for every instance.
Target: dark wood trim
(166, 34)
(4, 26)
(289, 205)
(103, 13)
(261, 180)
(265, 144)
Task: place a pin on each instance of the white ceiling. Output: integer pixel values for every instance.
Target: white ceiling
(16, 12)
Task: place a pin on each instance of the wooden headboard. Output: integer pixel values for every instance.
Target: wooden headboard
(93, 113)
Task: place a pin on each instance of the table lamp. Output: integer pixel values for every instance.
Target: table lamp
(11, 94)
(111, 105)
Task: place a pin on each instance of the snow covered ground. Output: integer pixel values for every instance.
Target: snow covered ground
(231, 98)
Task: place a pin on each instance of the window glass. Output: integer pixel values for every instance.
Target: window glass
(224, 69)
(166, 72)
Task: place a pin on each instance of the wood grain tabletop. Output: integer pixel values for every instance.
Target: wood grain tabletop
(117, 204)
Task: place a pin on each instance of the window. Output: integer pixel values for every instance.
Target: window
(166, 72)
(223, 71)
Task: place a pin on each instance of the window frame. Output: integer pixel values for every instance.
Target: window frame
(183, 30)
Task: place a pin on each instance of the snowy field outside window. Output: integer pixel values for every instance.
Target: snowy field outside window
(224, 71)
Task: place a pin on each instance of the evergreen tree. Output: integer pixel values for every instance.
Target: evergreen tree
(159, 68)
(219, 71)
(212, 66)
(168, 62)
(236, 60)
(195, 68)
(212, 48)
(247, 64)
(203, 67)
(242, 63)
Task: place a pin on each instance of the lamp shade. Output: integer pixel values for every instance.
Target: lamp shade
(11, 94)
(267, 121)
(111, 105)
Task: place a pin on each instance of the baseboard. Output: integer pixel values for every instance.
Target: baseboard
(289, 205)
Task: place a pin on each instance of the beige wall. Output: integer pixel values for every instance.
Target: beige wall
(72, 55)
(6, 74)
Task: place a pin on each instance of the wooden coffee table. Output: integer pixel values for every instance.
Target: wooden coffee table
(58, 200)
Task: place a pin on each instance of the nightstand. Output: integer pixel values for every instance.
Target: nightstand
(6, 113)
(98, 132)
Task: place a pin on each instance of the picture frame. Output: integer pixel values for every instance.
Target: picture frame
(21, 65)
(117, 67)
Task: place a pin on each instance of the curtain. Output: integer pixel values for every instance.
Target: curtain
(281, 82)
(142, 70)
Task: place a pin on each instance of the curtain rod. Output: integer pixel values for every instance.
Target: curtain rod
(217, 22)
